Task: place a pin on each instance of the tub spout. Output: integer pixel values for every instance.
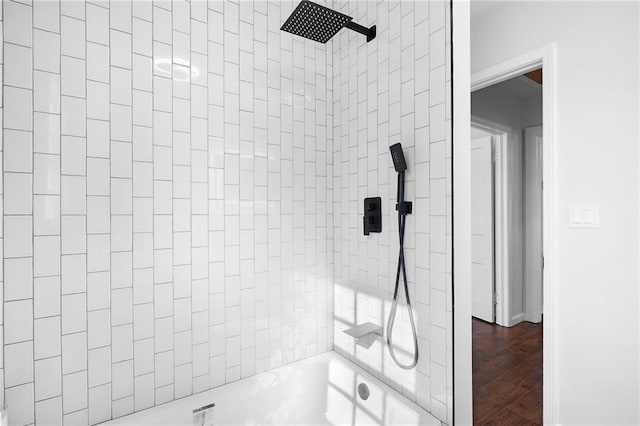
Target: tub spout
(365, 334)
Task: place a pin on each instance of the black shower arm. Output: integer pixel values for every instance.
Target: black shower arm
(369, 32)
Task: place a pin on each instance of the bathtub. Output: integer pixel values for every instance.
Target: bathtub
(317, 391)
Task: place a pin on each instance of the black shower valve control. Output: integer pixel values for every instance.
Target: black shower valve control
(372, 219)
(405, 207)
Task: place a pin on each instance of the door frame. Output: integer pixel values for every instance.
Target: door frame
(500, 204)
(533, 305)
(463, 84)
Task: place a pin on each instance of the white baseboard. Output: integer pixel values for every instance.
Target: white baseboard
(516, 319)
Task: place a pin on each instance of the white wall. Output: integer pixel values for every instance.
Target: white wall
(500, 106)
(532, 111)
(476, 132)
(395, 89)
(595, 358)
(167, 218)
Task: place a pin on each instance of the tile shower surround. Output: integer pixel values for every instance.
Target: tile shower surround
(168, 198)
(395, 89)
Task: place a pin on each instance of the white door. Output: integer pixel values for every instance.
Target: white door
(533, 224)
(482, 256)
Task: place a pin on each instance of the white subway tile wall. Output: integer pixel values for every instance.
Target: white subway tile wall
(167, 216)
(395, 89)
(171, 191)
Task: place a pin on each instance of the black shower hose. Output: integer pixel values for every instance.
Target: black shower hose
(402, 218)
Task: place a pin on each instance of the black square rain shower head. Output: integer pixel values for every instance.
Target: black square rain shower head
(319, 23)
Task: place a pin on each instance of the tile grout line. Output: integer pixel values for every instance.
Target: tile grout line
(86, 216)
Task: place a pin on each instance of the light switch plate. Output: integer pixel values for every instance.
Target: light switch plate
(584, 216)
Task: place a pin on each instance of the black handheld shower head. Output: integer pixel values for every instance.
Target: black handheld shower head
(404, 208)
(398, 158)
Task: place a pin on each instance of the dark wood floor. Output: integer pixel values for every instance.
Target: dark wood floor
(507, 374)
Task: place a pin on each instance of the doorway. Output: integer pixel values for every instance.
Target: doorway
(506, 250)
(506, 68)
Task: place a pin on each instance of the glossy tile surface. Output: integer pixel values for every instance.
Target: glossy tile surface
(173, 176)
(156, 241)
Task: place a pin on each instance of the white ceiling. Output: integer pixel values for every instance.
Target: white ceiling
(521, 87)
